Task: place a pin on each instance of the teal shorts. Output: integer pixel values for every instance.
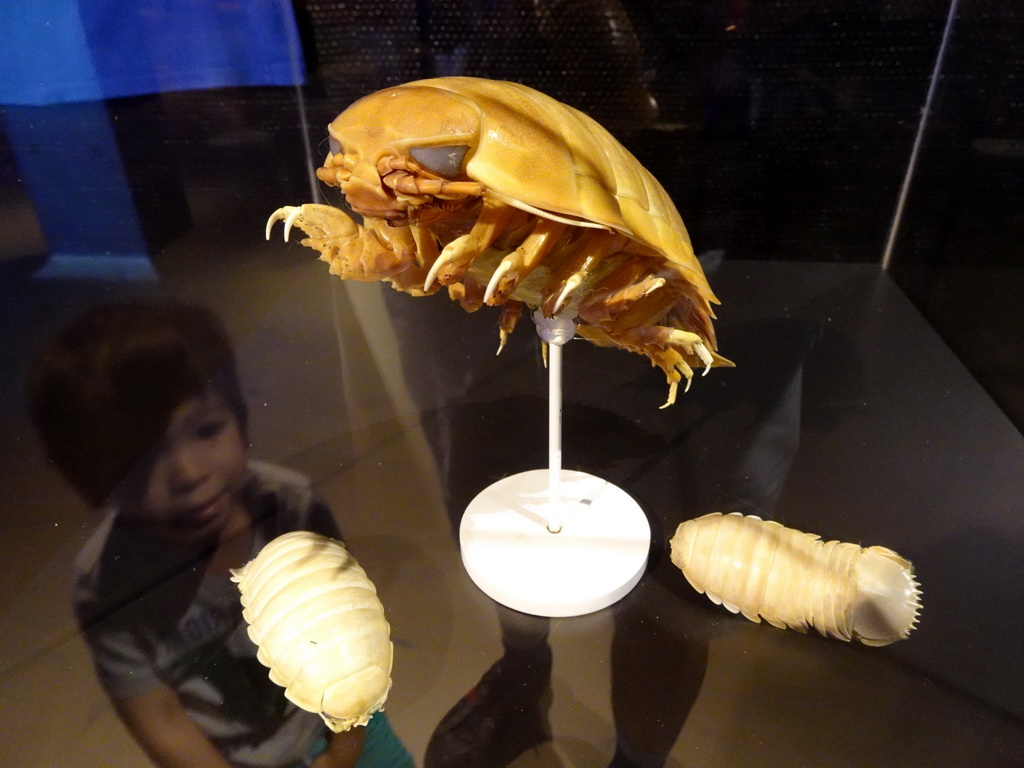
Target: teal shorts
(382, 748)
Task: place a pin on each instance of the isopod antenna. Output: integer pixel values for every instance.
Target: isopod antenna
(554, 542)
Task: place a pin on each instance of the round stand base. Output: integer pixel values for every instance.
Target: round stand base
(596, 558)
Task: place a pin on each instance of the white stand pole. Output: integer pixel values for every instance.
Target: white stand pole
(555, 436)
(554, 331)
(554, 542)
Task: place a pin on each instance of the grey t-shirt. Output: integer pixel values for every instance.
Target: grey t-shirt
(151, 615)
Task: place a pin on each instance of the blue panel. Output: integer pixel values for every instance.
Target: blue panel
(110, 49)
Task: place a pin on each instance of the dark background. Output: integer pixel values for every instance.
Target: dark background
(783, 131)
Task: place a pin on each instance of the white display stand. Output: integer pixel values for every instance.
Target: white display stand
(554, 542)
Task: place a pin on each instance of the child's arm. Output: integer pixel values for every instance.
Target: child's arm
(162, 727)
(343, 749)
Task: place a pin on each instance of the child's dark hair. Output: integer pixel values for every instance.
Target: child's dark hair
(103, 390)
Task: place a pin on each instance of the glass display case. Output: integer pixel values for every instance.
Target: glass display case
(851, 175)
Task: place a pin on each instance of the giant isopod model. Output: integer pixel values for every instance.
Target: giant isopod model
(509, 197)
(319, 626)
(794, 580)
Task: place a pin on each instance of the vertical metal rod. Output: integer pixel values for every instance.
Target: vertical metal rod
(554, 515)
(554, 332)
(921, 125)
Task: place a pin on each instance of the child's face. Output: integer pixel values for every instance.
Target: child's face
(192, 487)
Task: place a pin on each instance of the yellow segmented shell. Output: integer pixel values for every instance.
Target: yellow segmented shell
(319, 626)
(529, 148)
(792, 579)
(569, 164)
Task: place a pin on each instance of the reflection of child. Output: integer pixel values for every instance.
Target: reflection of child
(140, 407)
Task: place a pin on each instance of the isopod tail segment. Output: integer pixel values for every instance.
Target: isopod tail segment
(793, 580)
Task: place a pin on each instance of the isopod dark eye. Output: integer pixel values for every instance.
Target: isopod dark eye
(444, 161)
(334, 145)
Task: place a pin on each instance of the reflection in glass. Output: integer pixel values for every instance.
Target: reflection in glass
(140, 406)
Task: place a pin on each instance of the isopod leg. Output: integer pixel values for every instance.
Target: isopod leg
(469, 293)
(458, 255)
(523, 260)
(672, 350)
(351, 251)
(511, 311)
(413, 240)
(613, 300)
(642, 306)
(582, 258)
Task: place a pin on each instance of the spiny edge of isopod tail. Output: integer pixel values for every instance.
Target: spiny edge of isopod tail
(338, 724)
(888, 603)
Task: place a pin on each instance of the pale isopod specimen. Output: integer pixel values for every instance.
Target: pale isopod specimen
(319, 626)
(794, 580)
(509, 197)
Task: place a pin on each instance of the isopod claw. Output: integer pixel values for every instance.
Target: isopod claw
(574, 282)
(503, 269)
(289, 214)
(704, 355)
(290, 222)
(673, 388)
(275, 217)
(448, 255)
(654, 285)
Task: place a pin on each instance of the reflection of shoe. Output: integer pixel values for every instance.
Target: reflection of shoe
(504, 714)
(627, 757)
